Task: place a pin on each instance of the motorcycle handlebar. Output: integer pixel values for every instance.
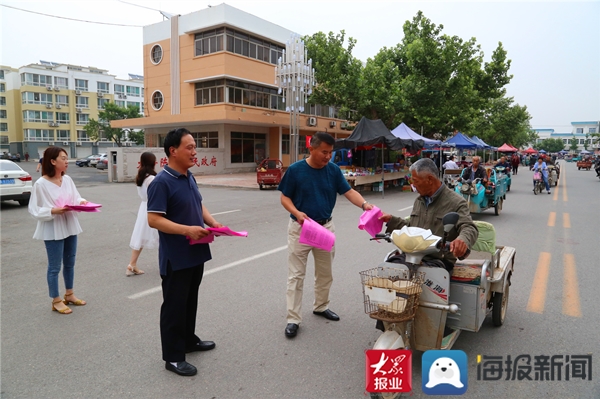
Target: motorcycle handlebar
(445, 248)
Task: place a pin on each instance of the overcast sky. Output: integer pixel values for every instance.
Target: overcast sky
(554, 46)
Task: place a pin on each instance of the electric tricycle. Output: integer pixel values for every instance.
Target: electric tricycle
(479, 197)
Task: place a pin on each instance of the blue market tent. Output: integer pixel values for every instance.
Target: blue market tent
(404, 132)
(461, 142)
(481, 142)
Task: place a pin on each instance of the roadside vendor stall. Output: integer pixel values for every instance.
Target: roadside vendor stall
(374, 134)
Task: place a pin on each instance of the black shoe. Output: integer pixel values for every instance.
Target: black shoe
(201, 347)
(328, 314)
(183, 368)
(291, 330)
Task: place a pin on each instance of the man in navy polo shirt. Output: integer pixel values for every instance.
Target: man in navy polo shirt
(309, 188)
(175, 209)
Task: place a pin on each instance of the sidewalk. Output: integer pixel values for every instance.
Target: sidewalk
(237, 180)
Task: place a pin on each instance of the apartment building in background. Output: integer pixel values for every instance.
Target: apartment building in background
(213, 72)
(50, 103)
(580, 132)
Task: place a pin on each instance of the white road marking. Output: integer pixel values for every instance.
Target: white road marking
(222, 213)
(215, 270)
(404, 209)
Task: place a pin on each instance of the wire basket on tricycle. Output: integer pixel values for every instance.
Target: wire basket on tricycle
(391, 294)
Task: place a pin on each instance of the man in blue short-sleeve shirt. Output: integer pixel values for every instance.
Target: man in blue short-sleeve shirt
(175, 209)
(309, 189)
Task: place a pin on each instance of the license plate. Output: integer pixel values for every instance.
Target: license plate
(7, 181)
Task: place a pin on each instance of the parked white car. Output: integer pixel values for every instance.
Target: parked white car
(94, 160)
(15, 183)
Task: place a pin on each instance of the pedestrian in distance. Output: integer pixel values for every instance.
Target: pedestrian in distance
(143, 235)
(26, 157)
(175, 209)
(57, 226)
(450, 164)
(39, 165)
(309, 189)
(515, 161)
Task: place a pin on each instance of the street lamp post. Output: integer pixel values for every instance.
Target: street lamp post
(294, 76)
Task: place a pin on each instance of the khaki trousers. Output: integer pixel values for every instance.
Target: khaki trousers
(297, 258)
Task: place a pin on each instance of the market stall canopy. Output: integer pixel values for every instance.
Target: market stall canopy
(584, 152)
(529, 151)
(373, 132)
(507, 148)
(404, 132)
(479, 141)
(543, 152)
(461, 141)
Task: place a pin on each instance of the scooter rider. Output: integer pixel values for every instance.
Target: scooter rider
(476, 171)
(434, 202)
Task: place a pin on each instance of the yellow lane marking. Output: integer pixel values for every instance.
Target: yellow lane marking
(552, 219)
(564, 186)
(537, 297)
(566, 221)
(571, 305)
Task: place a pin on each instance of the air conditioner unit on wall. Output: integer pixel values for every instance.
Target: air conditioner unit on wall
(56, 88)
(48, 106)
(78, 110)
(58, 106)
(51, 143)
(332, 123)
(50, 123)
(49, 88)
(100, 94)
(77, 92)
(312, 121)
(78, 143)
(65, 143)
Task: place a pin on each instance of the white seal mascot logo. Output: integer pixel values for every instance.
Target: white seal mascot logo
(444, 371)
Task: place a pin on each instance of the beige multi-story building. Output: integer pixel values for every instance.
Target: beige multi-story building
(50, 103)
(213, 72)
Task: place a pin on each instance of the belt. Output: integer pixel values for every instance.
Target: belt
(324, 221)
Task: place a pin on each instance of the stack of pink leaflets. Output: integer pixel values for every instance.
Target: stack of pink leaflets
(369, 221)
(317, 236)
(88, 207)
(218, 231)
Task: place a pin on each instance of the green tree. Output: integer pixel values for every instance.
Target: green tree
(101, 127)
(337, 71)
(586, 143)
(503, 122)
(573, 147)
(550, 145)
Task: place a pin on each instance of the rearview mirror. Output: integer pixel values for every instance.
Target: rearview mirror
(449, 221)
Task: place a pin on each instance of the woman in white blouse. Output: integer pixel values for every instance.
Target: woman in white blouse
(57, 225)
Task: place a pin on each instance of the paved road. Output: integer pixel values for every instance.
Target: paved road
(111, 348)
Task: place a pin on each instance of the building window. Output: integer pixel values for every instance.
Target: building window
(3, 127)
(210, 92)
(592, 130)
(36, 98)
(253, 95)
(61, 83)
(4, 140)
(38, 116)
(2, 87)
(2, 100)
(206, 139)
(62, 100)
(1, 73)
(63, 118)
(243, 144)
(82, 102)
(236, 42)
(63, 135)
(101, 102)
(81, 84)
(82, 136)
(156, 54)
(581, 141)
(157, 100)
(119, 89)
(120, 103)
(103, 87)
(133, 91)
(33, 79)
(285, 143)
(3, 114)
(38, 134)
(83, 119)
